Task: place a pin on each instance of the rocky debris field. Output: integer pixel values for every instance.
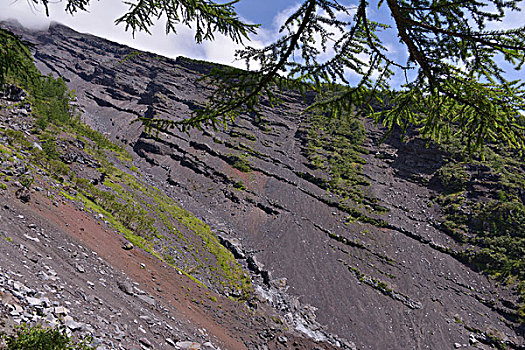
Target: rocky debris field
(48, 276)
(379, 271)
(63, 264)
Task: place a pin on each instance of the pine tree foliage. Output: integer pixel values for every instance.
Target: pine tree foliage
(458, 85)
(454, 82)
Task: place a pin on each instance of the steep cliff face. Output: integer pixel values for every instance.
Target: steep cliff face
(377, 267)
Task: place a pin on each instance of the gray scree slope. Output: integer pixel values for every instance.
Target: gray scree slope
(284, 222)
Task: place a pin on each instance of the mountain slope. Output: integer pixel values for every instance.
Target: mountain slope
(378, 266)
(90, 246)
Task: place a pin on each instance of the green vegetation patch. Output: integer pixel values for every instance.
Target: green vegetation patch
(453, 176)
(334, 146)
(239, 162)
(149, 219)
(131, 55)
(484, 211)
(226, 271)
(40, 338)
(239, 185)
(248, 136)
(5, 150)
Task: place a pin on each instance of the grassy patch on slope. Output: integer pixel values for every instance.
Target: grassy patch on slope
(334, 146)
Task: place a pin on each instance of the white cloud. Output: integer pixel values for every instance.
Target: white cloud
(512, 19)
(100, 21)
(28, 15)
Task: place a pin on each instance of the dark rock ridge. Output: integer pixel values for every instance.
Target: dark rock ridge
(398, 286)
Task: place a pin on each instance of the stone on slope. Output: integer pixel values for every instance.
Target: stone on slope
(147, 299)
(126, 287)
(188, 345)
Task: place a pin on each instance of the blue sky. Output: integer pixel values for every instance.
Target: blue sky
(269, 13)
(263, 11)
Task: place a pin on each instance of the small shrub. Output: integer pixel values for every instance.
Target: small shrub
(101, 141)
(247, 136)
(51, 101)
(5, 150)
(58, 168)
(239, 163)
(17, 137)
(40, 338)
(453, 177)
(48, 142)
(26, 180)
(239, 185)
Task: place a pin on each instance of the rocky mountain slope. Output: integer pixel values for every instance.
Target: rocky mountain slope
(342, 234)
(68, 262)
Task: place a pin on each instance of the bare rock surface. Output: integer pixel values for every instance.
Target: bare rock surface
(393, 287)
(64, 265)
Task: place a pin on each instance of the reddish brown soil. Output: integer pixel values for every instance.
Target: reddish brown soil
(155, 276)
(230, 324)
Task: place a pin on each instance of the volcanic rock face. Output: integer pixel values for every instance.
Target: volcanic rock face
(64, 264)
(397, 286)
